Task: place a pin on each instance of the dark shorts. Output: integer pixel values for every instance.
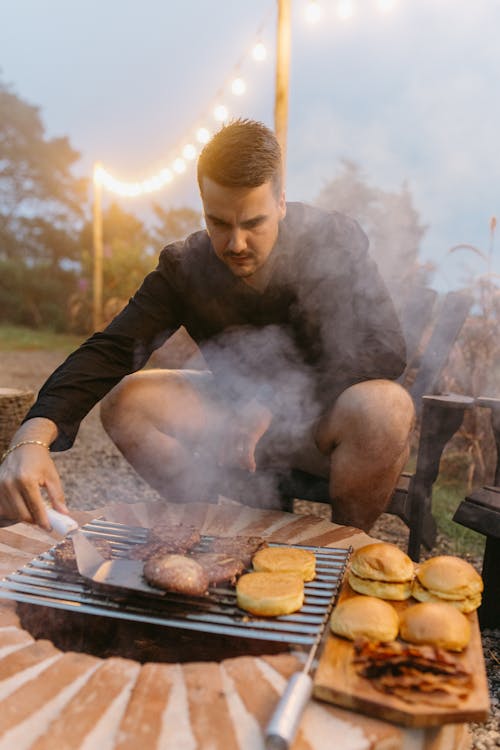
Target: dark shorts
(289, 441)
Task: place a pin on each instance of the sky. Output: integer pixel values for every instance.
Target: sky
(410, 93)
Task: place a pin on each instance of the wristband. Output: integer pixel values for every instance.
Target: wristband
(23, 442)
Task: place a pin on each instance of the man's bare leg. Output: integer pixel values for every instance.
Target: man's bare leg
(367, 435)
(162, 424)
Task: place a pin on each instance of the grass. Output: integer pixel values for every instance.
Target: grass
(445, 500)
(19, 338)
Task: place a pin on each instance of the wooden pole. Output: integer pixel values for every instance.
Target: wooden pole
(283, 44)
(98, 251)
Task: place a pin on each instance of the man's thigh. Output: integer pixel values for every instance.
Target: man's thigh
(181, 403)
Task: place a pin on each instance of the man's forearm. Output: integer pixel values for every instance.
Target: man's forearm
(37, 428)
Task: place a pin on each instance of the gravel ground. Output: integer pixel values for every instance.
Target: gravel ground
(94, 473)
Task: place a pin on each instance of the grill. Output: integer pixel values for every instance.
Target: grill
(46, 583)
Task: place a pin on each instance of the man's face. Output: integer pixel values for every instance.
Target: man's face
(242, 224)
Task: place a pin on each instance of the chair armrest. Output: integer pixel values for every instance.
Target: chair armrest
(489, 402)
(450, 401)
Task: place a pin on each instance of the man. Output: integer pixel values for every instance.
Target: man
(301, 340)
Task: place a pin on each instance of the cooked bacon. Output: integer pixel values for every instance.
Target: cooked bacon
(413, 673)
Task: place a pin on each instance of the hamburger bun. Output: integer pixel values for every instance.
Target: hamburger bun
(270, 594)
(382, 570)
(450, 579)
(286, 560)
(365, 617)
(435, 624)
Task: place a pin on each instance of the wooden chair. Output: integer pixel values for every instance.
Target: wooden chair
(440, 415)
(480, 511)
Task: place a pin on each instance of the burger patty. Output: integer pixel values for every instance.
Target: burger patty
(166, 539)
(219, 567)
(64, 552)
(240, 547)
(177, 573)
(178, 536)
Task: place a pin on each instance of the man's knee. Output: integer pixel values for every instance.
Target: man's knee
(373, 413)
(120, 403)
(164, 399)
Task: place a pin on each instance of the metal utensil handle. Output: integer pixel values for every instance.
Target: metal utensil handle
(60, 523)
(285, 720)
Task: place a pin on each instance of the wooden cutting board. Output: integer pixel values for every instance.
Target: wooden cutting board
(337, 682)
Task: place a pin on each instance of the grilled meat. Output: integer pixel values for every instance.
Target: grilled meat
(219, 567)
(64, 552)
(240, 547)
(177, 573)
(166, 539)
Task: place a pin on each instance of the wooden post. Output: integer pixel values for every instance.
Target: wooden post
(282, 75)
(98, 251)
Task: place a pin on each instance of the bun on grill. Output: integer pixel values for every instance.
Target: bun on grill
(383, 570)
(450, 579)
(270, 594)
(436, 624)
(286, 560)
(365, 617)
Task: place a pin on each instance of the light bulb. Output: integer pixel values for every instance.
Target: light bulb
(179, 166)
(202, 135)
(220, 113)
(189, 151)
(238, 86)
(259, 52)
(345, 9)
(313, 11)
(384, 6)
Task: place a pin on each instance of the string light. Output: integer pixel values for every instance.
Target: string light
(345, 9)
(313, 11)
(189, 151)
(384, 6)
(202, 135)
(259, 52)
(238, 86)
(221, 113)
(179, 165)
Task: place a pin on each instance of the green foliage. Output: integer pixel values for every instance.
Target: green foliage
(474, 366)
(390, 221)
(174, 224)
(128, 257)
(34, 295)
(40, 198)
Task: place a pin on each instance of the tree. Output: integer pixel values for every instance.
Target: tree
(390, 221)
(40, 198)
(174, 224)
(128, 257)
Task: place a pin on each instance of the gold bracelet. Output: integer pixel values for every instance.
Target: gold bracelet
(23, 442)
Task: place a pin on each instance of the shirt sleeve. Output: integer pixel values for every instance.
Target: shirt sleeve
(91, 371)
(352, 317)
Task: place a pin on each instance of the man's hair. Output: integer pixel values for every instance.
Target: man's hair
(243, 153)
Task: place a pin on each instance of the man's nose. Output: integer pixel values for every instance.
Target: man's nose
(237, 241)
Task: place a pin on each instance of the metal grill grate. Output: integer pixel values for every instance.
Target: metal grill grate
(44, 582)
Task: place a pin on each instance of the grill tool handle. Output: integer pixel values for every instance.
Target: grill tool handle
(285, 721)
(60, 523)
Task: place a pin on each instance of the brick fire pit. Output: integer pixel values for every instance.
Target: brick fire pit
(64, 701)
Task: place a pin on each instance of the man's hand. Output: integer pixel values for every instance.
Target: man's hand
(25, 471)
(241, 435)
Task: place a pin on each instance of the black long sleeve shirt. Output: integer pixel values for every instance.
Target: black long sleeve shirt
(325, 313)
